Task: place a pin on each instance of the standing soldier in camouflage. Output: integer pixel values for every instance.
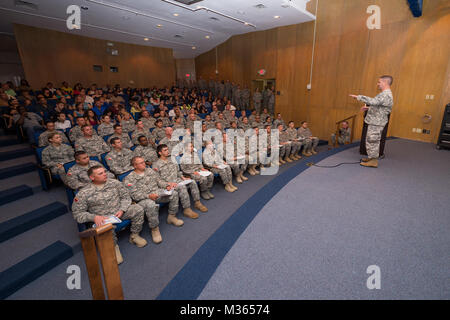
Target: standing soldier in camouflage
(43, 137)
(119, 159)
(257, 100)
(77, 176)
(271, 100)
(148, 190)
(123, 136)
(56, 155)
(191, 165)
(106, 127)
(92, 144)
(237, 97)
(296, 144)
(212, 86)
(310, 142)
(245, 98)
(146, 151)
(170, 173)
(108, 197)
(221, 89)
(228, 89)
(378, 110)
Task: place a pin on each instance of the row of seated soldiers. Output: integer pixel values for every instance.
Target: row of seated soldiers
(153, 149)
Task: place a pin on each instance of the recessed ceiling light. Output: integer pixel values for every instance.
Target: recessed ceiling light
(207, 37)
(145, 39)
(276, 17)
(246, 23)
(193, 48)
(159, 25)
(176, 14)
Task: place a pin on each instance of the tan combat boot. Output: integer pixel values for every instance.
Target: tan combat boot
(198, 205)
(255, 170)
(244, 178)
(118, 255)
(373, 163)
(190, 214)
(228, 188)
(233, 187)
(365, 159)
(156, 235)
(287, 159)
(298, 156)
(251, 171)
(138, 240)
(313, 151)
(238, 179)
(281, 161)
(172, 219)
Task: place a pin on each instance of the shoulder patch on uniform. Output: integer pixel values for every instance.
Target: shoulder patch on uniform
(109, 158)
(69, 174)
(75, 199)
(130, 184)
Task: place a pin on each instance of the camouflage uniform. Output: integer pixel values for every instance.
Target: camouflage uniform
(214, 115)
(93, 146)
(285, 149)
(148, 122)
(271, 102)
(105, 129)
(169, 172)
(169, 143)
(159, 133)
(43, 137)
(344, 136)
(228, 90)
(107, 200)
(137, 133)
(377, 117)
(52, 156)
(191, 163)
(295, 144)
(257, 98)
(221, 90)
(276, 122)
(212, 158)
(148, 153)
(77, 176)
(236, 165)
(308, 142)
(166, 121)
(141, 186)
(245, 99)
(125, 138)
(128, 125)
(75, 133)
(119, 162)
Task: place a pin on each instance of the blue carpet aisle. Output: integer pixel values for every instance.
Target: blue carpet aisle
(316, 238)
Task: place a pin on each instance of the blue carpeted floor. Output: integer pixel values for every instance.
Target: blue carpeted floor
(316, 238)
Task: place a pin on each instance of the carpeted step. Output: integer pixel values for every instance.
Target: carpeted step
(27, 221)
(17, 170)
(13, 154)
(33, 267)
(15, 193)
(9, 142)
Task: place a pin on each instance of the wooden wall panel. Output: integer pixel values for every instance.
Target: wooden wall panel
(57, 56)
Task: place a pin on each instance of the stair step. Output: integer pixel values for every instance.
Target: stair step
(30, 179)
(27, 221)
(35, 201)
(17, 161)
(13, 154)
(17, 170)
(15, 193)
(63, 228)
(9, 142)
(33, 267)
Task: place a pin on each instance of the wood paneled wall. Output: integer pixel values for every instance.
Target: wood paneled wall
(57, 56)
(348, 59)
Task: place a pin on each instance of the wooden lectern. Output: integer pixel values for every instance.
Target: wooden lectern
(102, 239)
(362, 146)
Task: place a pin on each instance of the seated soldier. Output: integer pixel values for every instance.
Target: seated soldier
(214, 162)
(128, 123)
(106, 127)
(43, 137)
(75, 133)
(296, 143)
(170, 173)
(57, 154)
(191, 165)
(30, 121)
(238, 166)
(92, 144)
(119, 159)
(61, 122)
(77, 176)
(123, 136)
(285, 145)
(344, 134)
(279, 120)
(169, 141)
(148, 190)
(141, 131)
(159, 132)
(310, 141)
(164, 118)
(178, 123)
(108, 197)
(145, 150)
(208, 121)
(147, 120)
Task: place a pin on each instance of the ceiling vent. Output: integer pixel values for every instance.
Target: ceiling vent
(25, 5)
(188, 2)
(214, 18)
(178, 36)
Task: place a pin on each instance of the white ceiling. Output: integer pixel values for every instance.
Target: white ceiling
(130, 21)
